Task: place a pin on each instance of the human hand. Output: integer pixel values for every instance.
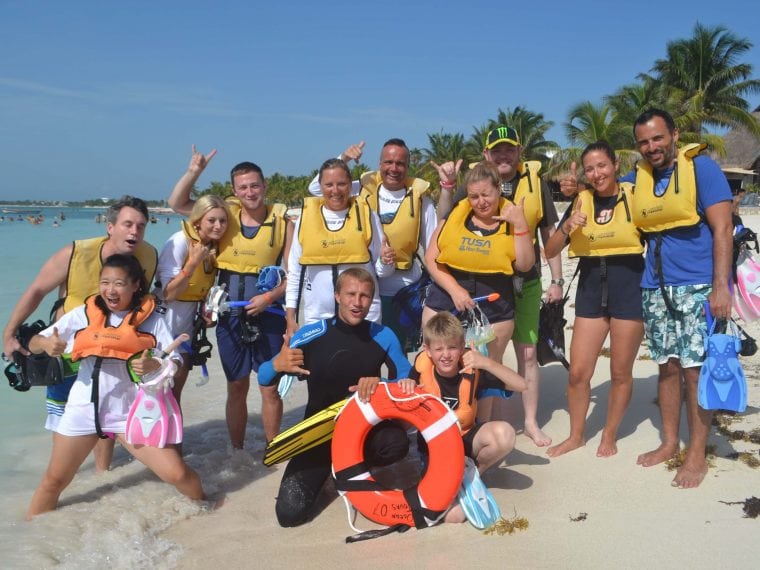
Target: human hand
(145, 364)
(447, 172)
(554, 293)
(514, 214)
(354, 152)
(199, 161)
(720, 302)
(55, 345)
(407, 386)
(387, 253)
(568, 182)
(11, 345)
(258, 304)
(462, 300)
(473, 360)
(197, 254)
(576, 220)
(289, 360)
(365, 387)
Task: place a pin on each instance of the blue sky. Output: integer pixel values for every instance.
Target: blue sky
(105, 98)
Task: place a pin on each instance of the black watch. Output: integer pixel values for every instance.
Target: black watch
(560, 282)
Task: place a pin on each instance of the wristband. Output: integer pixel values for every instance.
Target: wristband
(185, 273)
(447, 186)
(268, 296)
(523, 233)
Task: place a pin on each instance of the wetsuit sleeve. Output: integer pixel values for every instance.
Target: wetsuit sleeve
(267, 374)
(395, 359)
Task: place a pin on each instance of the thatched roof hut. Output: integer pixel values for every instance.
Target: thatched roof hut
(741, 164)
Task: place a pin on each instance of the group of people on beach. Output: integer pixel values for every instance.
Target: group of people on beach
(653, 245)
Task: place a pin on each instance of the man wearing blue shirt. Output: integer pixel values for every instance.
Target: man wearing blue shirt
(682, 205)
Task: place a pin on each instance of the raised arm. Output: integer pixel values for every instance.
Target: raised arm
(180, 200)
(53, 274)
(353, 152)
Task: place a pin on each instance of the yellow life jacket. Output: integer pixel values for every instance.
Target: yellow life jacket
(86, 263)
(617, 236)
(203, 277)
(240, 254)
(464, 250)
(467, 410)
(677, 207)
(403, 231)
(349, 244)
(105, 341)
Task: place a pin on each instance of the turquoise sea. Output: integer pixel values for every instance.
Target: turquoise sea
(25, 447)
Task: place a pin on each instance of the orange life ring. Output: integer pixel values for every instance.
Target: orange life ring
(423, 504)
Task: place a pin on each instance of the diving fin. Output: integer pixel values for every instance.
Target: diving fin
(309, 433)
(476, 500)
(748, 283)
(154, 418)
(722, 384)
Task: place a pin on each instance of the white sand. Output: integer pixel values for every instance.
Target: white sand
(634, 518)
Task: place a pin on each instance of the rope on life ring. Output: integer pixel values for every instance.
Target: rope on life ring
(423, 504)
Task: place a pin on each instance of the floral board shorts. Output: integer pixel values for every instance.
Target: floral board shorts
(682, 336)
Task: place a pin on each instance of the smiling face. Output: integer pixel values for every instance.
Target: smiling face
(394, 164)
(354, 300)
(656, 144)
(116, 288)
(128, 232)
(249, 188)
(506, 157)
(212, 225)
(446, 355)
(601, 172)
(336, 186)
(484, 199)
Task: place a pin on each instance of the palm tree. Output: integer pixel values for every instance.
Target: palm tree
(705, 83)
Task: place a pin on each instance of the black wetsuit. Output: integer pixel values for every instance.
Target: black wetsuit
(336, 355)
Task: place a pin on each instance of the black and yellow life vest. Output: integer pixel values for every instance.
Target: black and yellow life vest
(462, 249)
(677, 207)
(85, 265)
(467, 410)
(240, 254)
(403, 232)
(202, 278)
(618, 236)
(105, 341)
(322, 246)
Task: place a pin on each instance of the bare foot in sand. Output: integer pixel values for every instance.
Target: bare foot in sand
(662, 453)
(607, 447)
(568, 445)
(455, 515)
(538, 437)
(691, 473)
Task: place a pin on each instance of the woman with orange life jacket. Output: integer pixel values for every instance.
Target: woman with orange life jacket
(474, 252)
(187, 269)
(599, 230)
(110, 328)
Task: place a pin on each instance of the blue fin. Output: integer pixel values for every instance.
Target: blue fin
(722, 385)
(476, 501)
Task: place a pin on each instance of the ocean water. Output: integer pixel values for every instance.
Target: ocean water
(98, 524)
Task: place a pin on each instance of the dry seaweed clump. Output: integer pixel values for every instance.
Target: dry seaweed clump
(507, 526)
(677, 460)
(745, 457)
(751, 506)
(580, 517)
(723, 422)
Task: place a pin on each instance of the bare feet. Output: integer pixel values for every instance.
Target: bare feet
(691, 473)
(607, 447)
(455, 514)
(538, 437)
(568, 445)
(662, 453)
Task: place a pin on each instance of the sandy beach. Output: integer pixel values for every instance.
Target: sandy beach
(582, 511)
